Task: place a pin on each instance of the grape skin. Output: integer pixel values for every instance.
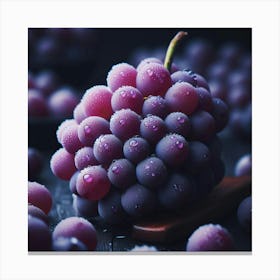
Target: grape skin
(68, 244)
(84, 158)
(36, 212)
(66, 123)
(70, 140)
(35, 163)
(155, 105)
(244, 214)
(84, 207)
(178, 122)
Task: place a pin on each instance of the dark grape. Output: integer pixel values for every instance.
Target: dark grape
(173, 149)
(84, 207)
(244, 214)
(138, 201)
(79, 228)
(121, 173)
(70, 140)
(204, 99)
(243, 166)
(125, 124)
(151, 172)
(238, 96)
(201, 81)
(218, 89)
(148, 60)
(136, 149)
(47, 82)
(183, 76)
(107, 148)
(73, 182)
(210, 238)
(220, 113)
(155, 105)
(68, 244)
(178, 122)
(91, 128)
(36, 212)
(152, 128)
(35, 163)
(37, 105)
(40, 196)
(84, 158)
(93, 183)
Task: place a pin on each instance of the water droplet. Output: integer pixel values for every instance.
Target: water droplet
(155, 128)
(133, 94)
(147, 167)
(177, 187)
(87, 129)
(106, 146)
(123, 93)
(133, 143)
(122, 74)
(179, 144)
(116, 169)
(153, 174)
(205, 156)
(150, 72)
(122, 122)
(87, 178)
(137, 206)
(114, 208)
(180, 120)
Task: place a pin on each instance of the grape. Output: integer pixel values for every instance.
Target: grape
(62, 164)
(244, 214)
(121, 74)
(148, 60)
(79, 113)
(121, 173)
(151, 172)
(183, 76)
(238, 96)
(203, 126)
(219, 70)
(152, 128)
(243, 166)
(93, 183)
(210, 237)
(62, 126)
(198, 158)
(62, 102)
(204, 99)
(97, 102)
(125, 123)
(68, 244)
(138, 201)
(173, 149)
(127, 97)
(40, 196)
(153, 79)
(46, 81)
(79, 228)
(39, 235)
(84, 207)
(218, 89)
(178, 122)
(215, 146)
(230, 52)
(35, 163)
(37, 105)
(155, 105)
(201, 81)
(84, 158)
(136, 149)
(110, 208)
(70, 140)
(182, 97)
(176, 193)
(91, 128)
(107, 148)
(220, 113)
(73, 182)
(36, 212)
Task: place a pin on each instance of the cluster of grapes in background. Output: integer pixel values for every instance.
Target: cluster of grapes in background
(147, 142)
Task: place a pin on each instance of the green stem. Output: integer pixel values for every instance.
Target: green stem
(171, 49)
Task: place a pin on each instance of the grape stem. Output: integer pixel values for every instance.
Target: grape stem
(171, 49)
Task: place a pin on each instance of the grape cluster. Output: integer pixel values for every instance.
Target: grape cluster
(145, 142)
(48, 98)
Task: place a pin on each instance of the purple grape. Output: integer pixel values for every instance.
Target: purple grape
(218, 89)
(35, 163)
(79, 228)
(73, 182)
(176, 193)
(219, 70)
(153, 79)
(203, 126)
(107, 148)
(178, 122)
(198, 157)
(111, 210)
(201, 81)
(37, 105)
(220, 113)
(155, 105)
(215, 146)
(230, 52)
(84, 207)
(66, 123)
(238, 96)
(36, 212)
(121, 173)
(210, 238)
(93, 183)
(79, 113)
(91, 128)
(244, 214)
(204, 99)
(172, 149)
(138, 201)
(84, 158)
(152, 128)
(62, 164)
(151, 172)
(136, 149)
(121, 74)
(243, 167)
(39, 196)
(127, 97)
(62, 102)
(47, 82)
(68, 244)
(183, 76)
(70, 140)
(182, 97)
(39, 235)
(148, 60)
(97, 102)
(125, 124)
